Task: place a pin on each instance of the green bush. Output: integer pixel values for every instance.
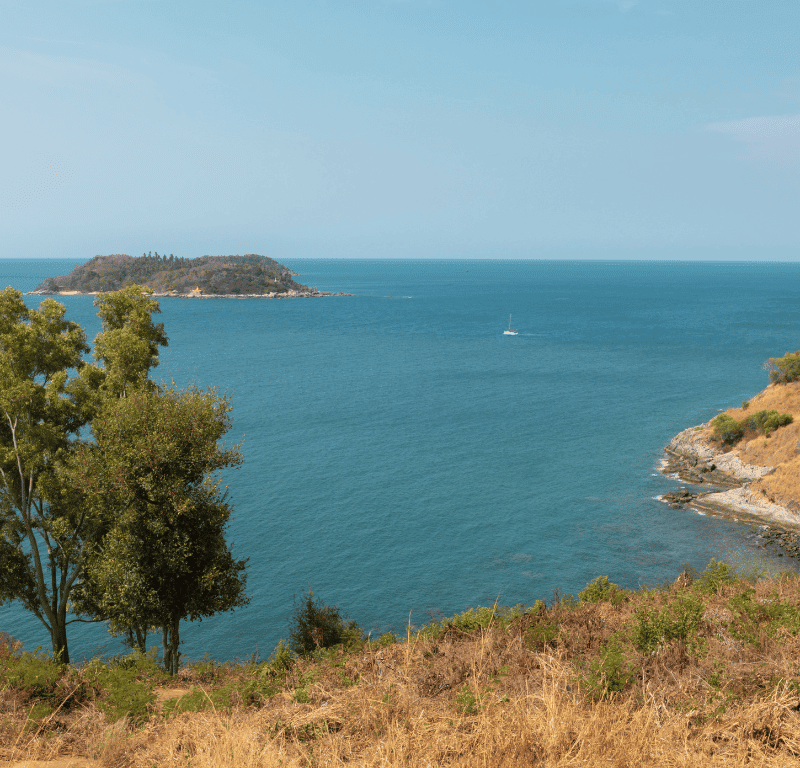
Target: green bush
(282, 657)
(715, 575)
(611, 673)
(729, 430)
(315, 625)
(541, 634)
(602, 590)
(35, 674)
(755, 618)
(677, 621)
(783, 370)
(768, 421)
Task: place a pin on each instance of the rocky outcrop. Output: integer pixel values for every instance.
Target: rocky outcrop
(694, 457)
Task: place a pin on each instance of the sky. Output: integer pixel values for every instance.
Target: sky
(653, 129)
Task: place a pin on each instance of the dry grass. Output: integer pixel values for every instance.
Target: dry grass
(781, 449)
(503, 695)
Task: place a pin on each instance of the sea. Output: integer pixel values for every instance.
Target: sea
(405, 460)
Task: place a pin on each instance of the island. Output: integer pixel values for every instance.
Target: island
(748, 459)
(249, 276)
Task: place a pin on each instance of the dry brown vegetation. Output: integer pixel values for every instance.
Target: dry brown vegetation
(781, 449)
(697, 673)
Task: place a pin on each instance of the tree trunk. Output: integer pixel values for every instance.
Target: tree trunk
(58, 637)
(170, 641)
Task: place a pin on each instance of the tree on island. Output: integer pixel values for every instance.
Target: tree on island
(58, 411)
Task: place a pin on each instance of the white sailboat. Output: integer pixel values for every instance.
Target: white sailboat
(510, 331)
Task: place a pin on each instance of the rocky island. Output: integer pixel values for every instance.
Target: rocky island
(751, 474)
(248, 276)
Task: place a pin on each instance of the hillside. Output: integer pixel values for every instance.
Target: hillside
(700, 672)
(249, 275)
(761, 472)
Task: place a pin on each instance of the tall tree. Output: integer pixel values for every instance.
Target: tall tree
(154, 470)
(48, 394)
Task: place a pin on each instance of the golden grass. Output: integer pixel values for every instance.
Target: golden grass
(485, 698)
(781, 449)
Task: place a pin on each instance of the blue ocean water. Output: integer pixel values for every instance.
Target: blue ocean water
(405, 459)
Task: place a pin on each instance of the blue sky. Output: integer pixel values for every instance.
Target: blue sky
(401, 128)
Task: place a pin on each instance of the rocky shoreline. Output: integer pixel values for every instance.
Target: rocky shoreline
(694, 458)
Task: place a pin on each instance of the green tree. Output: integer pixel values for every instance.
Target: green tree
(784, 370)
(49, 394)
(153, 470)
(43, 537)
(316, 625)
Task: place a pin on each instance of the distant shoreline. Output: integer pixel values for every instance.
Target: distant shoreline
(200, 295)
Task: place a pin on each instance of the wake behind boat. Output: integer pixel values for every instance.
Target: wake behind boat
(510, 331)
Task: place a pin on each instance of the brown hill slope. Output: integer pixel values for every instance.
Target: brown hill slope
(702, 672)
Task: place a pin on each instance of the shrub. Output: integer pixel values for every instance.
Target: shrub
(783, 370)
(124, 686)
(729, 430)
(282, 657)
(315, 625)
(755, 618)
(768, 421)
(611, 673)
(36, 674)
(745, 404)
(602, 590)
(8, 646)
(715, 575)
(677, 621)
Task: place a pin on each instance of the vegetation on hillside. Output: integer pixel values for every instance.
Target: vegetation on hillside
(784, 370)
(730, 431)
(704, 671)
(237, 275)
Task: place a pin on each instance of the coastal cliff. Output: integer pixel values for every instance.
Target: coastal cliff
(753, 480)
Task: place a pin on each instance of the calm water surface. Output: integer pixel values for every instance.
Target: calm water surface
(403, 457)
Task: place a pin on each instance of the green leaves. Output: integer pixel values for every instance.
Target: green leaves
(63, 498)
(153, 472)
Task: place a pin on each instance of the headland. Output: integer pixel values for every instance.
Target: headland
(755, 479)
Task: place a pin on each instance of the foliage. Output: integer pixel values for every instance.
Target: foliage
(729, 430)
(602, 590)
(541, 633)
(473, 619)
(250, 274)
(315, 625)
(677, 621)
(36, 674)
(109, 504)
(125, 689)
(768, 616)
(611, 673)
(716, 575)
(46, 399)
(767, 422)
(784, 370)
(283, 656)
(166, 558)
